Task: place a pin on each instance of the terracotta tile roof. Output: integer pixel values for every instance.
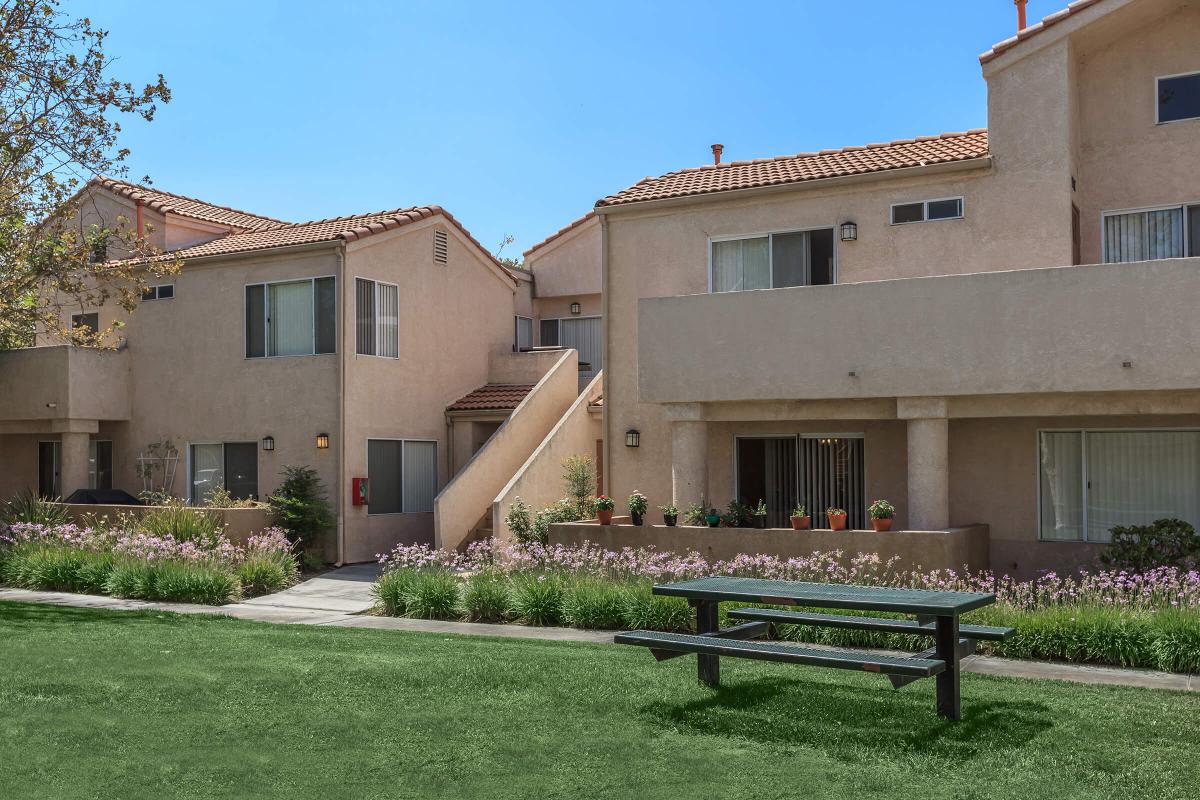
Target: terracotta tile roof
(166, 202)
(1034, 30)
(492, 397)
(560, 232)
(922, 151)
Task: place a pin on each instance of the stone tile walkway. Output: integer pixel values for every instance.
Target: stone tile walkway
(338, 598)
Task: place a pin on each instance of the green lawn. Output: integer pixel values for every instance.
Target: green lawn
(151, 705)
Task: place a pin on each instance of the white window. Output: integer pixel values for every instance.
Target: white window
(1147, 234)
(772, 261)
(377, 318)
(1091, 481)
(522, 333)
(163, 292)
(402, 476)
(291, 318)
(927, 210)
(1178, 97)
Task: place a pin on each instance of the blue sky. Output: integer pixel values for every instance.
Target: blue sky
(518, 116)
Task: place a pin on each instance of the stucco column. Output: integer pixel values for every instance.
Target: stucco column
(689, 455)
(73, 473)
(928, 462)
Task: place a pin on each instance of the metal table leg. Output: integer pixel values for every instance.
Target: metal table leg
(946, 643)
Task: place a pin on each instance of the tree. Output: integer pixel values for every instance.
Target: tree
(59, 110)
(301, 507)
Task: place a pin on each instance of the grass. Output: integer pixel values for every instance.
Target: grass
(152, 705)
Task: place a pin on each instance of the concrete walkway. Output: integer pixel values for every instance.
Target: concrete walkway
(338, 599)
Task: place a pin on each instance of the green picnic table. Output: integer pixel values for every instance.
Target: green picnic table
(936, 615)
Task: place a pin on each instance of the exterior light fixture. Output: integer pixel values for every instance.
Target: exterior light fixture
(576, 308)
(268, 443)
(633, 438)
(322, 441)
(849, 232)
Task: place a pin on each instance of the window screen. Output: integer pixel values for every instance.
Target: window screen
(944, 209)
(908, 212)
(419, 476)
(523, 334)
(384, 460)
(325, 298)
(256, 321)
(549, 332)
(1179, 97)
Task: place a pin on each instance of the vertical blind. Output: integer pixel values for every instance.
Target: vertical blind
(1143, 235)
(1095, 480)
(376, 318)
(832, 476)
(364, 317)
(741, 264)
(584, 334)
(290, 318)
(420, 476)
(388, 309)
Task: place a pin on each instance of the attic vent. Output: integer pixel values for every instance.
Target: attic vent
(439, 247)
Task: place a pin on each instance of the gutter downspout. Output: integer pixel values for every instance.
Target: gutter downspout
(141, 225)
(606, 326)
(341, 462)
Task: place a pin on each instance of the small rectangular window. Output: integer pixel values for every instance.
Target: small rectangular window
(927, 210)
(549, 333)
(441, 250)
(523, 334)
(163, 292)
(91, 321)
(1179, 97)
(377, 318)
(908, 212)
(944, 209)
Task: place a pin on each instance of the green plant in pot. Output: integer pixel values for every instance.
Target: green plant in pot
(637, 506)
(882, 513)
(712, 518)
(604, 506)
(670, 515)
(760, 515)
(800, 519)
(695, 515)
(837, 518)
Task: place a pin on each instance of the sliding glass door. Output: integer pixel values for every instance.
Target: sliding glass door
(818, 471)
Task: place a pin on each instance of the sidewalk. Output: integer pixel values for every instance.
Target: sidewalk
(338, 599)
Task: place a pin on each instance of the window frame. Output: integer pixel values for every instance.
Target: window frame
(962, 210)
(377, 284)
(155, 291)
(403, 441)
(1158, 79)
(312, 288)
(79, 321)
(1083, 472)
(517, 332)
(94, 462)
(833, 271)
(191, 481)
(1187, 239)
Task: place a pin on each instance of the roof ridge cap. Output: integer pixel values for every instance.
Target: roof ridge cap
(127, 187)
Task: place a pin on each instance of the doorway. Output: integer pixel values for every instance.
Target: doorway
(817, 470)
(49, 466)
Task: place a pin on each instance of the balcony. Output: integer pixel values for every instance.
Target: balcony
(1096, 328)
(39, 384)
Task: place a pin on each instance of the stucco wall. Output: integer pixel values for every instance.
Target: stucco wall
(62, 382)
(569, 265)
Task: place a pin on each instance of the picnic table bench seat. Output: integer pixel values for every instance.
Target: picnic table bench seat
(883, 624)
(778, 651)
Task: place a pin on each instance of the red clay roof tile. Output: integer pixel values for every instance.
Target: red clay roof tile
(168, 202)
(1033, 30)
(781, 170)
(492, 397)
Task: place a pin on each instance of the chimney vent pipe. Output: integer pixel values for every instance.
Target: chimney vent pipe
(717, 150)
(1020, 14)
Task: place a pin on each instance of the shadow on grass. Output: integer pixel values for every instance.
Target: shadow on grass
(850, 721)
(48, 615)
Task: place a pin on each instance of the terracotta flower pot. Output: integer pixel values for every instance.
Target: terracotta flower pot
(881, 525)
(604, 515)
(801, 523)
(837, 522)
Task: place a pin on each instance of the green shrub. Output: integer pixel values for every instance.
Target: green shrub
(392, 588)
(564, 510)
(1176, 641)
(51, 568)
(173, 581)
(28, 506)
(221, 497)
(301, 507)
(1164, 543)
(594, 603)
(579, 480)
(518, 522)
(646, 611)
(538, 599)
(264, 573)
(433, 594)
(184, 522)
(486, 598)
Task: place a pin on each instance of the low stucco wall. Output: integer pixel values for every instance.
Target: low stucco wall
(521, 367)
(954, 548)
(240, 523)
(469, 496)
(64, 382)
(539, 482)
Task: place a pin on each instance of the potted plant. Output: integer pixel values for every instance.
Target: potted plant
(670, 515)
(695, 515)
(637, 506)
(837, 518)
(760, 515)
(604, 506)
(800, 518)
(712, 518)
(882, 513)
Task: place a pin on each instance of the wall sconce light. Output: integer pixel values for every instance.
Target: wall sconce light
(322, 441)
(633, 438)
(849, 232)
(268, 443)
(576, 308)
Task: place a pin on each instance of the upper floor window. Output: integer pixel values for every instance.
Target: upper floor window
(376, 318)
(291, 318)
(1144, 235)
(90, 320)
(799, 258)
(1178, 97)
(164, 292)
(522, 334)
(927, 210)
